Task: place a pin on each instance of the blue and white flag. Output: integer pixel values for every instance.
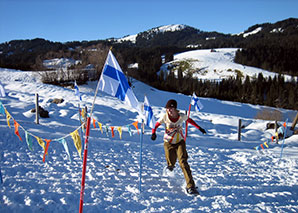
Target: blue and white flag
(2, 91)
(148, 112)
(77, 91)
(196, 103)
(114, 82)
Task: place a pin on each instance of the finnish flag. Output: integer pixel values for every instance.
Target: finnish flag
(196, 103)
(148, 112)
(77, 91)
(114, 82)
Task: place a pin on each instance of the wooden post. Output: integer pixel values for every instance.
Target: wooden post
(239, 130)
(275, 126)
(294, 122)
(36, 109)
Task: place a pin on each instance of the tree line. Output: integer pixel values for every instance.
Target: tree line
(274, 92)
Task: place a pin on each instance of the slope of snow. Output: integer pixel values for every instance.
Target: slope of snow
(57, 63)
(217, 65)
(169, 28)
(255, 31)
(231, 175)
(131, 38)
(161, 29)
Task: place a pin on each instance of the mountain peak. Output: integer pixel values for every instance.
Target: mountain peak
(168, 28)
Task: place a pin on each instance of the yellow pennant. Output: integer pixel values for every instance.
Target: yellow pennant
(100, 127)
(77, 141)
(8, 117)
(83, 113)
(266, 144)
(41, 143)
(120, 131)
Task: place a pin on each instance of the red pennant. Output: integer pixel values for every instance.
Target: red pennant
(46, 150)
(112, 129)
(94, 124)
(16, 130)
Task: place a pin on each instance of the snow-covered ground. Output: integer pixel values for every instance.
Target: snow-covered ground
(231, 175)
(217, 64)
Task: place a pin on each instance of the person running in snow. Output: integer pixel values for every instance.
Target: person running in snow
(174, 143)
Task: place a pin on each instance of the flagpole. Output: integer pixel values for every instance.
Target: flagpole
(187, 122)
(84, 165)
(141, 156)
(80, 118)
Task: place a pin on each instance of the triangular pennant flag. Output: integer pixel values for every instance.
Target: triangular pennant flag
(100, 127)
(285, 125)
(136, 125)
(112, 130)
(46, 150)
(94, 124)
(63, 142)
(107, 130)
(266, 144)
(77, 141)
(120, 131)
(129, 130)
(2, 110)
(8, 117)
(16, 129)
(83, 113)
(276, 136)
(29, 140)
(262, 146)
(41, 143)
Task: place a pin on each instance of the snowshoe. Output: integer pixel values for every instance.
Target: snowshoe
(192, 191)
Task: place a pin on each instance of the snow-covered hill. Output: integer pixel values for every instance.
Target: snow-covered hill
(231, 175)
(215, 64)
(161, 29)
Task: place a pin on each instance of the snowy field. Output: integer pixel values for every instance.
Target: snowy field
(231, 175)
(217, 64)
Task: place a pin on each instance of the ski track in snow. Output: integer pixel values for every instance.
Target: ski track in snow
(231, 176)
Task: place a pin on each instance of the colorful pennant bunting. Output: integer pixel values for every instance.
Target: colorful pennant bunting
(46, 150)
(77, 141)
(16, 130)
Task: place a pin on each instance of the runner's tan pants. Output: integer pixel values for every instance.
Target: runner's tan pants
(174, 151)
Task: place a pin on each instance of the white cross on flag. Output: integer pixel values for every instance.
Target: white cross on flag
(196, 103)
(114, 82)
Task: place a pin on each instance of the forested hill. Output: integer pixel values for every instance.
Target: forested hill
(271, 46)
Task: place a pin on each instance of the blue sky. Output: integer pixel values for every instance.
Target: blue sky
(77, 20)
